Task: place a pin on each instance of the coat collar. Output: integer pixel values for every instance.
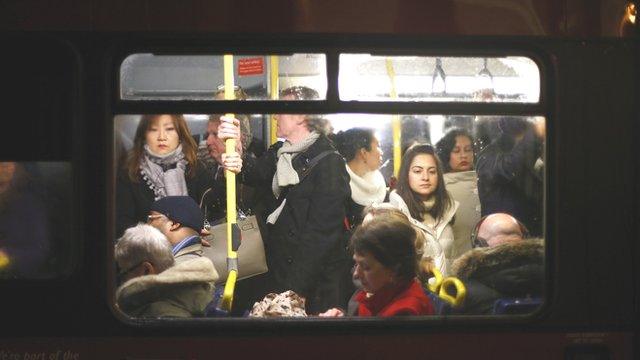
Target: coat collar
(396, 200)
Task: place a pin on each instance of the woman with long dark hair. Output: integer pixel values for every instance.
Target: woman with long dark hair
(422, 196)
(163, 162)
(456, 150)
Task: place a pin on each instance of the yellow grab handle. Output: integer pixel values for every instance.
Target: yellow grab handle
(229, 289)
(461, 291)
(435, 286)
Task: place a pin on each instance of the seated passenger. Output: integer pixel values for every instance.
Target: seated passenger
(510, 268)
(179, 218)
(455, 150)
(508, 177)
(498, 228)
(422, 196)
(162, 162)
(151, 285)
(361, 150)
(385, 256)
(24, 225)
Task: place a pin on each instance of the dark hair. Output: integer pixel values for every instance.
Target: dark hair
(391, 242)
(350, 141)
(413, 201)
(513, 125)
(445, 146)
(189, 147)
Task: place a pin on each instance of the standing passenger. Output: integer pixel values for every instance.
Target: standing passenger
(361, 150)
(508, 180)
(422, 196)
(162, 162)
(455, 150)
(308, 189)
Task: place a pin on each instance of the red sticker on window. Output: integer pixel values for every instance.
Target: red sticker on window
(251, 66)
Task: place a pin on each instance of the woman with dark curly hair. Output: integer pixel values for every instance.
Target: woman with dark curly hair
(361, 150)
(456, 149)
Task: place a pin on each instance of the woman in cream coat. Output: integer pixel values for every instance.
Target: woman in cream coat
(422, 196)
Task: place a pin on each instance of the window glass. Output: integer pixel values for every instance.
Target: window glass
(35, 219)
(201, 77)
(365, 77)
(497, 204)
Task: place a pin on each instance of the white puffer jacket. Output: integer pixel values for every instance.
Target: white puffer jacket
(439, 241)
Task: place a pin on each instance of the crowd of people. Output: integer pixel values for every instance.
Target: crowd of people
(334, 232)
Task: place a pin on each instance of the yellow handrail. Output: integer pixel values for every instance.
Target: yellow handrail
(396, 125)
(230, 147)
(274, 84)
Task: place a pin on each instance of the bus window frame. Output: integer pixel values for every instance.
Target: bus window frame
(332, 46)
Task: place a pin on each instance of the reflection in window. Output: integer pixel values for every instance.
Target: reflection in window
(34, 230)
(365, 77)
(201, 77)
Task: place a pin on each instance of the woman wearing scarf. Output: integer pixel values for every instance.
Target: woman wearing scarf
(162, 162)
(361, 150)
(307, 188)
(422, 196)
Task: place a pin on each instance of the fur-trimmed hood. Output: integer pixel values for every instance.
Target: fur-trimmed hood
(186, 286)
(482, 261)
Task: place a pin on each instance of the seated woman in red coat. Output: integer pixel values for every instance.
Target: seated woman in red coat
(385, 265)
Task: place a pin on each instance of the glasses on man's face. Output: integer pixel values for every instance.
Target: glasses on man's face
(123, 273)
(480, 242)
(151, 218)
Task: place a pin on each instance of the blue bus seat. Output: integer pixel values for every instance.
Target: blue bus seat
(512, 306)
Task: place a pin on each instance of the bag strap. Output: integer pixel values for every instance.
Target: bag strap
(302, 173)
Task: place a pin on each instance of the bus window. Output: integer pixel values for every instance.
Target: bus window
(34, 230)
(365, 77)
(496, 205)
(199, 77)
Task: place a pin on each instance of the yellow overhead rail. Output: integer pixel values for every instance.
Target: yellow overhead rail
(274, 73)
(395, 121)
(230, 147)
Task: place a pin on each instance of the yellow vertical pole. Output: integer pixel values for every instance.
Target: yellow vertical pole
(396, 125)
(274, 73)
(230, 147)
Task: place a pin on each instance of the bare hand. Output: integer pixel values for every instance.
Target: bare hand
(333, 312)
(229, 128)
(232, 162)
(540, 127)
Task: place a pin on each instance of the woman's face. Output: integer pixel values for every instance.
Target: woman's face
(373, 158)
(423, 175)
(461, 157)
(162, 135)
(371, 273)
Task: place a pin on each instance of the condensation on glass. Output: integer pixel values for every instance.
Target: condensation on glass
(35, 220)
(365, 77)
(201, 77)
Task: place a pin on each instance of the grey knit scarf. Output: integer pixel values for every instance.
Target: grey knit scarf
(164, 174)
(285, 173)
